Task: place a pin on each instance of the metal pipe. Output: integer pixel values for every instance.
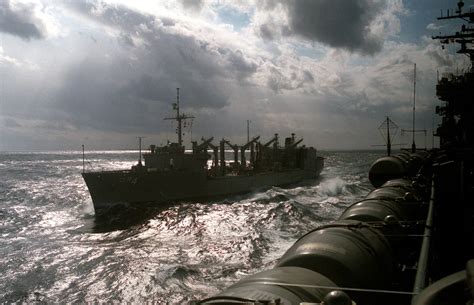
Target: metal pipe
(421, 272)
(140, 150)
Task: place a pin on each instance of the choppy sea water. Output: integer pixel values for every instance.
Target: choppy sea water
(54, 250)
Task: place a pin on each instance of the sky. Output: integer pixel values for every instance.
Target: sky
(101, 73)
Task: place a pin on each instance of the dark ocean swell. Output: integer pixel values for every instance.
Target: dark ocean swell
(54, 250)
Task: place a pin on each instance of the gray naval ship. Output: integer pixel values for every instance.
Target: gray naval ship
(170, 174)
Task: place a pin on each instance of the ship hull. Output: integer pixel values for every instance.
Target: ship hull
(115, 187)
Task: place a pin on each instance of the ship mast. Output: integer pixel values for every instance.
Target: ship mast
(389, 144)
(140, 150)
(413, 131)
(179, 118)
(413, 145)
(465, 37)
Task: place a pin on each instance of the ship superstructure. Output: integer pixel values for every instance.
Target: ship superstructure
(456, 89)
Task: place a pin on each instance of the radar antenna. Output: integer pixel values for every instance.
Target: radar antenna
(384, 129)
(388, 129)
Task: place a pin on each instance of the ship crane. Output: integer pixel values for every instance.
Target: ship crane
(207, 143)
(235, 148)
(215, 151)
(273, 140)
(294, 144)
(261, 147)
(242, 151)
(201, 147)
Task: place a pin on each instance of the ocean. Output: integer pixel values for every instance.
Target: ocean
(54, 250)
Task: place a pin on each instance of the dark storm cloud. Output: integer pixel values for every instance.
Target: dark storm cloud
(89, 97)
(133, 88)
(21, 20)
(337, 23)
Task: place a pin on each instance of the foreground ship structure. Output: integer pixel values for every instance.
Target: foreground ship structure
(410, 240)
(170, 174)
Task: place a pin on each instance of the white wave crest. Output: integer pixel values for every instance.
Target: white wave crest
(332, 187)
